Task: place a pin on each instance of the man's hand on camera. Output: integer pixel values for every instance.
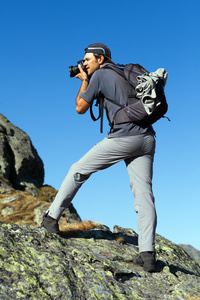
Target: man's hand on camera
(82, 75)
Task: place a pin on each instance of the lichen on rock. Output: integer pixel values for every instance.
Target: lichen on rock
(90, 265)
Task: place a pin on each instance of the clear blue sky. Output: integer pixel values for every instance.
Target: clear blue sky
(40, 39)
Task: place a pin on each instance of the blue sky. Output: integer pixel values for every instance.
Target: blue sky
(40, 39)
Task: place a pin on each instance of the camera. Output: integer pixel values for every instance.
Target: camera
(74, 70)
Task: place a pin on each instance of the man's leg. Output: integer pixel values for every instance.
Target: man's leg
(103, 155)
(140, 172)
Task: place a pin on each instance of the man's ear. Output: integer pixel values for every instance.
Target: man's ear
(101, 59)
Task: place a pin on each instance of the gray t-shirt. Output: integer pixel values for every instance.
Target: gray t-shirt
(112, 86)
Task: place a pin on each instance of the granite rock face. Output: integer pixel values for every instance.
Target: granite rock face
(95, 264)
(19, 160)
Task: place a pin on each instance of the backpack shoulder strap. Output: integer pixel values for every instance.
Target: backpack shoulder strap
(117, 68)
(99, 103)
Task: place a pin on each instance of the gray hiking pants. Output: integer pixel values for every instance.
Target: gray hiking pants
(138, 153)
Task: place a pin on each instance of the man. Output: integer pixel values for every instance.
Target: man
(129, 142)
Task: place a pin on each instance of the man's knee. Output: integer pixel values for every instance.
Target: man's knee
(80, 178)
(78, 174)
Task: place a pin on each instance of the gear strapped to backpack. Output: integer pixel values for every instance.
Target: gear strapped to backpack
(146, 101)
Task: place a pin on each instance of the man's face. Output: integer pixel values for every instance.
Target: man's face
(91, 63)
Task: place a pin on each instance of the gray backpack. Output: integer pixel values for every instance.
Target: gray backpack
(146, 101)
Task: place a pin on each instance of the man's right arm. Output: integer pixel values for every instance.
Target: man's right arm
(82, 105)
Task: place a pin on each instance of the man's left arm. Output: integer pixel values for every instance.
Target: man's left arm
(82, 105)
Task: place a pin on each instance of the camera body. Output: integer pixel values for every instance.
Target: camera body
(74, 70)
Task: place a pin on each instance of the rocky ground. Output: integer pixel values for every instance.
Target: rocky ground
(87, 262)
(94, 264)
(21, 207)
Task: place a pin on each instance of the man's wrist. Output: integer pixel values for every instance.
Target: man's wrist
(86, 79)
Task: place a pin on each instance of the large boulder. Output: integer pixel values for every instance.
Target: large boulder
(95, 264)
(19, 160)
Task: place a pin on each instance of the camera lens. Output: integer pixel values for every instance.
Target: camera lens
(74, 70)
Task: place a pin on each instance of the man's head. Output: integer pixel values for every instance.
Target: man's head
(95, 56)
(99, 48)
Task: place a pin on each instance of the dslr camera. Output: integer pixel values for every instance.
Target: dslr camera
(74, 70)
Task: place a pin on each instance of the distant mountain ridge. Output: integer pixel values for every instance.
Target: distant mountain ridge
(194, 253)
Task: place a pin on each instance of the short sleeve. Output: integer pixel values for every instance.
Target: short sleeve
(92, 91)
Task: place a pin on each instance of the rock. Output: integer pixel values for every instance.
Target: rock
(4, 183)
(194, 253)
(20, 163)
(91, 265)
(20, 207)
(7, 211)
(87, 261)
(23, 198)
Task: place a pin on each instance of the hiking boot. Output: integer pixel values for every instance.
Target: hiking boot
(147, 260)
(50, 225)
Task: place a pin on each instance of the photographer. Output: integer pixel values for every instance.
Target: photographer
(129, 142)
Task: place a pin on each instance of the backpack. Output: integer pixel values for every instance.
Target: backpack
(146, 101)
